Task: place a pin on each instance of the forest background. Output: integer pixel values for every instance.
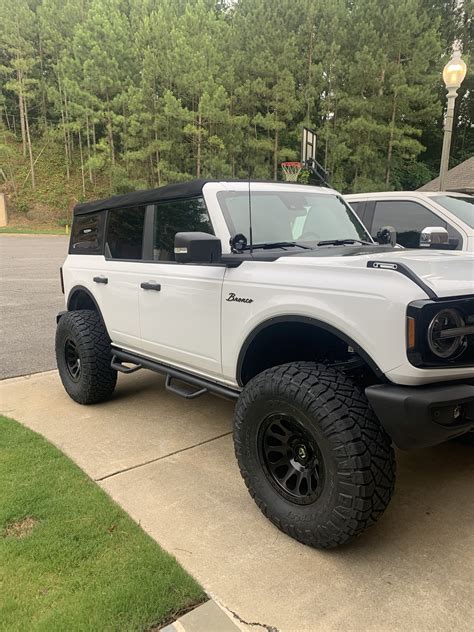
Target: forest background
(106, 96)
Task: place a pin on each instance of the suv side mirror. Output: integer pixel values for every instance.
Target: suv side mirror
(197, 248)
(434, 237)
(387, 235)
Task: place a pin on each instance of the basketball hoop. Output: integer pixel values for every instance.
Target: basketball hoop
(291, 170)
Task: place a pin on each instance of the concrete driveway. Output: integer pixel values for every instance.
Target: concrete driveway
(169, 462)
(30, 298)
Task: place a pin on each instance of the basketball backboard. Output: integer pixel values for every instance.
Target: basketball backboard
(308, 147)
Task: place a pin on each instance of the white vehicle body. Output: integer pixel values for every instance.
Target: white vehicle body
(333, 347)
(191, 325)
(431, 201)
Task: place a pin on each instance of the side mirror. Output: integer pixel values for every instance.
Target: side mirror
(387, 235)
(197, 248)
(434, 237)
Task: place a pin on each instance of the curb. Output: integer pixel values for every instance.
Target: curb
(209, 617)
(12, 234)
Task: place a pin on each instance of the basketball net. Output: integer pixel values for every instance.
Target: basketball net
(291, 170)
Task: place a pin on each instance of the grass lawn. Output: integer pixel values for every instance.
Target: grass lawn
(70, 558)
(24, 230)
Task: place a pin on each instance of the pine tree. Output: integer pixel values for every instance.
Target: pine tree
(145, 92)
(17, 36)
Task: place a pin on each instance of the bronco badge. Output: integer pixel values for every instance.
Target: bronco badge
(233, 297)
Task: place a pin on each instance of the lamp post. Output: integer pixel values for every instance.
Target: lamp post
(453, 75)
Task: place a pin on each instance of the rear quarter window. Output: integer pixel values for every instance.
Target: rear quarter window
(87, 234)
(359, 208)
(125, 228)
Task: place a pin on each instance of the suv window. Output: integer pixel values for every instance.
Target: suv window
(462, 207)
(408, 219)
(358, 208)
(125, 233)
(87, 234)
(288, 216)
(175, 217)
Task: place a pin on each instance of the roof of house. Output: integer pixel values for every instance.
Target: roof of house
(140, 198)
(459, 178)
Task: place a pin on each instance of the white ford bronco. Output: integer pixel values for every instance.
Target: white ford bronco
(333, 346)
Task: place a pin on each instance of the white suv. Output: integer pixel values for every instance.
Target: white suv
(275, 295)
(410, 212)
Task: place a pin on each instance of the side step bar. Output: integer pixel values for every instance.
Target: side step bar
(184, 392)
(202, 385)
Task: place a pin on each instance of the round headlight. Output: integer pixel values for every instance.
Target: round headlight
(443, 340)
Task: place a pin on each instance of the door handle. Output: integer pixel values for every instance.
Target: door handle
(101, 279)
(150, 285)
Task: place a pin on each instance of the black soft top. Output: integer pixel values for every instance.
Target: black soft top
(181, 190)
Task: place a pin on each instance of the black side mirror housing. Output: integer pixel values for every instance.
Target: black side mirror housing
(197, 248)
(387, 235)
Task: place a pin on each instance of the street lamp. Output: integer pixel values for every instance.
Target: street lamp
(453, 75)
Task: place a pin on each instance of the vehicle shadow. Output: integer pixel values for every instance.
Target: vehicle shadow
(432, 507)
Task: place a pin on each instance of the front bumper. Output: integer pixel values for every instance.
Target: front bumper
(420, 416)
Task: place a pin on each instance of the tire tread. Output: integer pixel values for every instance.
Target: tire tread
(362, 449)
(98, 378)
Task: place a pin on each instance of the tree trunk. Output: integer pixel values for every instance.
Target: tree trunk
(68, 129)
(110, 132)
(7, 119)
(11, 176)
(390, 140)
(326, 151)
(124, 142)
(30, 149)
(198, 160)
(21, 107)
(392, 130)
(44, 108)
(328, 120)
(91, 177)
(275, 155)
(310, 61)
(151, 179)
(82, 164)
(63, 119)
(157, 158)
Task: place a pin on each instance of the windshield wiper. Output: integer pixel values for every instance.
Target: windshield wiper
(342, 242)
(276, 244)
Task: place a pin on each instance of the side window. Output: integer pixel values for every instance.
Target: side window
(408, 219)
(358, 208)
(124, 238)
(175, 217)
(87, 234)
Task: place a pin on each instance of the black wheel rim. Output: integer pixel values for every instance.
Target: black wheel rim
(291, 459)
(73, 361)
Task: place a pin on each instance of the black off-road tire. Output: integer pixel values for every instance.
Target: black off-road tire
(82, 334)
(356, 471)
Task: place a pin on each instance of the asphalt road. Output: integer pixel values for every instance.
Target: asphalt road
(30, 298)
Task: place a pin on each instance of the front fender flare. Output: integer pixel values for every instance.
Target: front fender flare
(310, 321)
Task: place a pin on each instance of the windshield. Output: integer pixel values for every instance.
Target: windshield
(462, 207)
(286, 216)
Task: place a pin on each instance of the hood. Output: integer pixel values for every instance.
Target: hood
(446, 273)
